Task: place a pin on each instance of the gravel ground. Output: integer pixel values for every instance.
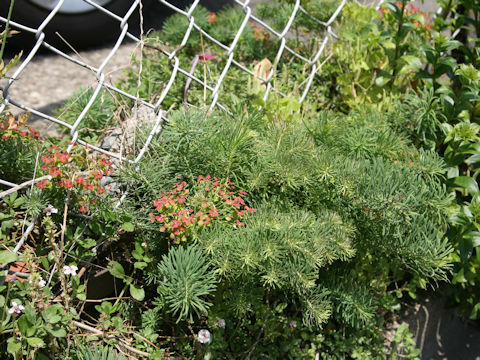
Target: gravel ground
(51, 79)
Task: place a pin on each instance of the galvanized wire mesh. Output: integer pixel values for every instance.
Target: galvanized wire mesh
(310, 61)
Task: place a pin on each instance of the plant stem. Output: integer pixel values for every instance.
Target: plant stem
(5, 33)
(446, 10)
(397, 44)
(477, 30)
(257, 340)
(22, 185)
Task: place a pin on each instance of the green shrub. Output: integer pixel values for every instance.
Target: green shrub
(276, 230)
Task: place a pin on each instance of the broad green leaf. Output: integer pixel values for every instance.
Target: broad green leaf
(35, 342)
(109, 215)
(413, 63)
(23, 325)
(140, 265)
(459, 219)
(445, 64)
(117, 322)
(87, 243)
(450, 45)
(395, 10)
(96, 227)
(51, 318)
(116, 269)
(138, 252)
(387, 44)
(467, 183)
(474, 159)
(405, 29)
(52, 314)
(19, 201)
(452, 172)
(474, 237)
(13, 346)
(8, 257)
(381, 81)
(128, 227)
(30, 314)
(44, 262)
(7, 224)
(57, 331)
(137, 292)
(459, 277)
(81, 293)
(12, 197)
(466, 248)
(105, 307)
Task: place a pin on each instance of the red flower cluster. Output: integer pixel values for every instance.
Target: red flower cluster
(14, 128)
(258, 32)
(411, 10)
(183, 212)
(211, 17)
(75, 171)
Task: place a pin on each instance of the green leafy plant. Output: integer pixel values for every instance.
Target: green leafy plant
(421, 118)
(403, 345)
(19, 146)
(353, 202)
(97, 352)
(185, 279)
(184, 211)
(453, 75)
(300, 180)
(4, 35)
(103, 114)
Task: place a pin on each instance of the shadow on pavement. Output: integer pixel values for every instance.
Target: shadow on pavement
(440, 333)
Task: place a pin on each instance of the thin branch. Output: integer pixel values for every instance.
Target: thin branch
(250, 352)
(132, 349)
(22, 185)
(88, 328)
(24, 237)
(104, 335)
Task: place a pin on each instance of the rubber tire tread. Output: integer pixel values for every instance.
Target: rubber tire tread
(79, 30)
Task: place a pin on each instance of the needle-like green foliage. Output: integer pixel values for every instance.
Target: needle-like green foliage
(185, 279)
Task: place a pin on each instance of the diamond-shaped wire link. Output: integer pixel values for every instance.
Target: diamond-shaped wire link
(214, 90)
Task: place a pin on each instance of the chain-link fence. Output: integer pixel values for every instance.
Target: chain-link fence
(213, 89)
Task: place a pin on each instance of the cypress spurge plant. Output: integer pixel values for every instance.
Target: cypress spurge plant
(185, 279)
(281, 251)
(347, 211)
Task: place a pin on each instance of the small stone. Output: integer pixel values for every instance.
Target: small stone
(104, 181)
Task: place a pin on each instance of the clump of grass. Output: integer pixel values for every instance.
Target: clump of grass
(103, 114)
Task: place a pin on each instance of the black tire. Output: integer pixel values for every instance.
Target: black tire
(79, 30)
